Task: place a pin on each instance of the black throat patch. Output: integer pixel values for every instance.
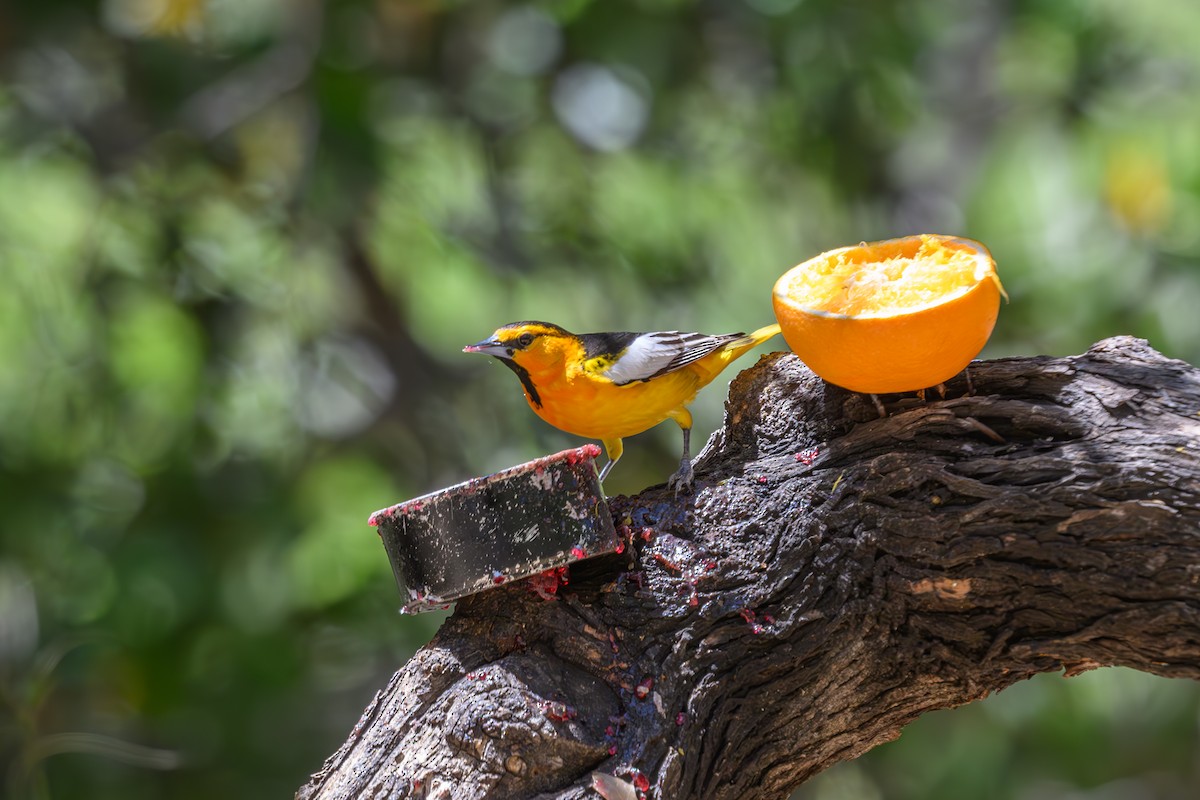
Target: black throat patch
(526, 381)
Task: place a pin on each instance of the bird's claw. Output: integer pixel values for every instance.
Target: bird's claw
(683, 478)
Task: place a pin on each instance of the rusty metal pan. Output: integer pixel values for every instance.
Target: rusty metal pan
(491, 530)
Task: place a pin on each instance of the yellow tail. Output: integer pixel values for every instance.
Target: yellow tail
(741, 345)
(762, 334)
(712, 365)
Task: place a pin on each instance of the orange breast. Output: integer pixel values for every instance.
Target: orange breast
(595, 408)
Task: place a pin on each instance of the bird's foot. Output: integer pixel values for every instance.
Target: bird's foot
(683, 478)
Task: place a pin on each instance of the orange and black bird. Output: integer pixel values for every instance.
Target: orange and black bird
(611, 385)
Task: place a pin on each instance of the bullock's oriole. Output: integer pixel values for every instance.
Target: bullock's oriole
(610, 385)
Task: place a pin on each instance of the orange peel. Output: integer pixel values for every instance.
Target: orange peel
(893, 316)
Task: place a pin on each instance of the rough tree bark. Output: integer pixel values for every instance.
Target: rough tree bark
(834, 576)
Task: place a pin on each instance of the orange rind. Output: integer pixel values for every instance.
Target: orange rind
(893, 316)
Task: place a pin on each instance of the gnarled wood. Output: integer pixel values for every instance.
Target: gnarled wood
(835, 576)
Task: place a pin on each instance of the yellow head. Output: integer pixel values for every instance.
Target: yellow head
(527, 347)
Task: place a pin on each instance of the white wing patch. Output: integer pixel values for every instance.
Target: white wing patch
(653, 354)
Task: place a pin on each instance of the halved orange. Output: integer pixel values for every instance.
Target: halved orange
(891, 316)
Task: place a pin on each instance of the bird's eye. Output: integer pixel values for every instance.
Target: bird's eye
(525, 339)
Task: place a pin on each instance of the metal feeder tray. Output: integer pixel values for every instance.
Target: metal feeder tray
(492, 530)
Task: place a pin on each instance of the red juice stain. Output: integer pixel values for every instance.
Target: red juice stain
(643, 689)
(580, 454)
(620, 548)
(748, 615)
(682, 556)
(558, 712)
(647, 534)
(640, 782)
(578, 552)
(384, 515)
(546, 584)
(612, 749)
(543, 586)
(680, 718)
(666, 562)
(807, 457)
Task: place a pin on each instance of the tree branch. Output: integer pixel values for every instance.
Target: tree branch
(834, 577)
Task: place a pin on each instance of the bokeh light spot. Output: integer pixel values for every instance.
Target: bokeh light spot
(600, 108)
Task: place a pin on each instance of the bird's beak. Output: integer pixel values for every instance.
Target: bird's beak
(489, 347)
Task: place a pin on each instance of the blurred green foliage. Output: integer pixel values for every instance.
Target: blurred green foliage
(241, 244)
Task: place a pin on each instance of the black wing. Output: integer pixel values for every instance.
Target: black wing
(648, 355)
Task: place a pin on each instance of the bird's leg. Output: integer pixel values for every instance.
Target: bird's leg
(614, 448)
(878, 405)
(681, 480)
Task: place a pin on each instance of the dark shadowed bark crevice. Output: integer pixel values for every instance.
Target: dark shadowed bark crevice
(835, 576)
